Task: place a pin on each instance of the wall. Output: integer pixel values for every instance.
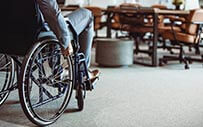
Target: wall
(192, 4)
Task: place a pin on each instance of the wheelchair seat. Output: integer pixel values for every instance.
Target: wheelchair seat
(19, 26)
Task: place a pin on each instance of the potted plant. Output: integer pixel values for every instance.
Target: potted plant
(178, 3)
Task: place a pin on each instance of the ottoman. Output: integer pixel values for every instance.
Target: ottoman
(114, 52)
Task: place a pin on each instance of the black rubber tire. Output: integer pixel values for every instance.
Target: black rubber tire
(80, 99)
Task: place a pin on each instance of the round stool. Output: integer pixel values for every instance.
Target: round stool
(114, 52)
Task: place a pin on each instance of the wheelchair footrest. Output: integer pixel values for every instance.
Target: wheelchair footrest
(90, 84)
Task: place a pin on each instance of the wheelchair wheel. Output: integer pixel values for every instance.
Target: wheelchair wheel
(46, 83)
(6, 76)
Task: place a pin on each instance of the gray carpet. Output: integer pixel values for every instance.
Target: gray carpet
(134, 96)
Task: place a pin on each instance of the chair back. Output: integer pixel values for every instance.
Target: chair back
(195, 15)
(61, 2)
(131, 19)
(130, 5)
(159, 6)
(160, 17)
(18, 26)
(97, 12)
(117, 18)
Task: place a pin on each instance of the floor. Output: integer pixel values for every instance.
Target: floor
(129, 96)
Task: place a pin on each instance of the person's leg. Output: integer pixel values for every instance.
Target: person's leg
(85, 40)
(82, 21)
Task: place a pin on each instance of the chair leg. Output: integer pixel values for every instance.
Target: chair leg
(197, 50)
(96, 33)
(136, 40)
(190, 60)
(167, 47)
(181, 54)
(181, 58)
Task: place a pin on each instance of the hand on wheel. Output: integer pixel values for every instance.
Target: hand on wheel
(68, 50)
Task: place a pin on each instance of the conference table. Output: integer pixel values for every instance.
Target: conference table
(154, 13)
(68, 8)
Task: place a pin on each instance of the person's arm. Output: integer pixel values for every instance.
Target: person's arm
(52, 15)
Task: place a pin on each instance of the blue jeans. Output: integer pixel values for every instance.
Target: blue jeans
(82, 21)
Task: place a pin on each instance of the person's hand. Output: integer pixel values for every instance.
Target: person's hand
(68, 50)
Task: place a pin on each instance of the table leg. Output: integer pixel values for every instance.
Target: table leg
(155, 39)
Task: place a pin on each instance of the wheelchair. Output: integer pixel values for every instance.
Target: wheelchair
(44, 77)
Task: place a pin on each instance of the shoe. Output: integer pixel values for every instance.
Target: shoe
(93, 78)
(93, 74)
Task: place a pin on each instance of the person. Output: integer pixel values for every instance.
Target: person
(82, 21)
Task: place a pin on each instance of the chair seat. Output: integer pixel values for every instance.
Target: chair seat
(97, 26)
(116, 26)
(137, 29)
(142, 29)
(162, 29)
(183, 37)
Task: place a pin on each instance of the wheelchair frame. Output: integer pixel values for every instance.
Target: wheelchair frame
(80, 81)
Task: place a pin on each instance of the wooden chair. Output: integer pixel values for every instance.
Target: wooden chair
(97, 12)
(162, 26)
(61, 2)
(189, 36)
(135, 25)
(116, 19)
(138, 25)
(160, 17)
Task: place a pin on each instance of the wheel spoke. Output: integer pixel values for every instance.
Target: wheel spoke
(42, 89)
(40, 68)
(41, 103)
(2, 56)
(5, 66)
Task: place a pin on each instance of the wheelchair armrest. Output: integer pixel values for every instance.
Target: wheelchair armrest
(176, 19)
(46, 35)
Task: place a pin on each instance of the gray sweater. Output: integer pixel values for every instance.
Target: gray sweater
(51, 14)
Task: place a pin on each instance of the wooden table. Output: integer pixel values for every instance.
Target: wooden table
(172, 12)
(67, 8)
(144, 11)
(72, 8)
